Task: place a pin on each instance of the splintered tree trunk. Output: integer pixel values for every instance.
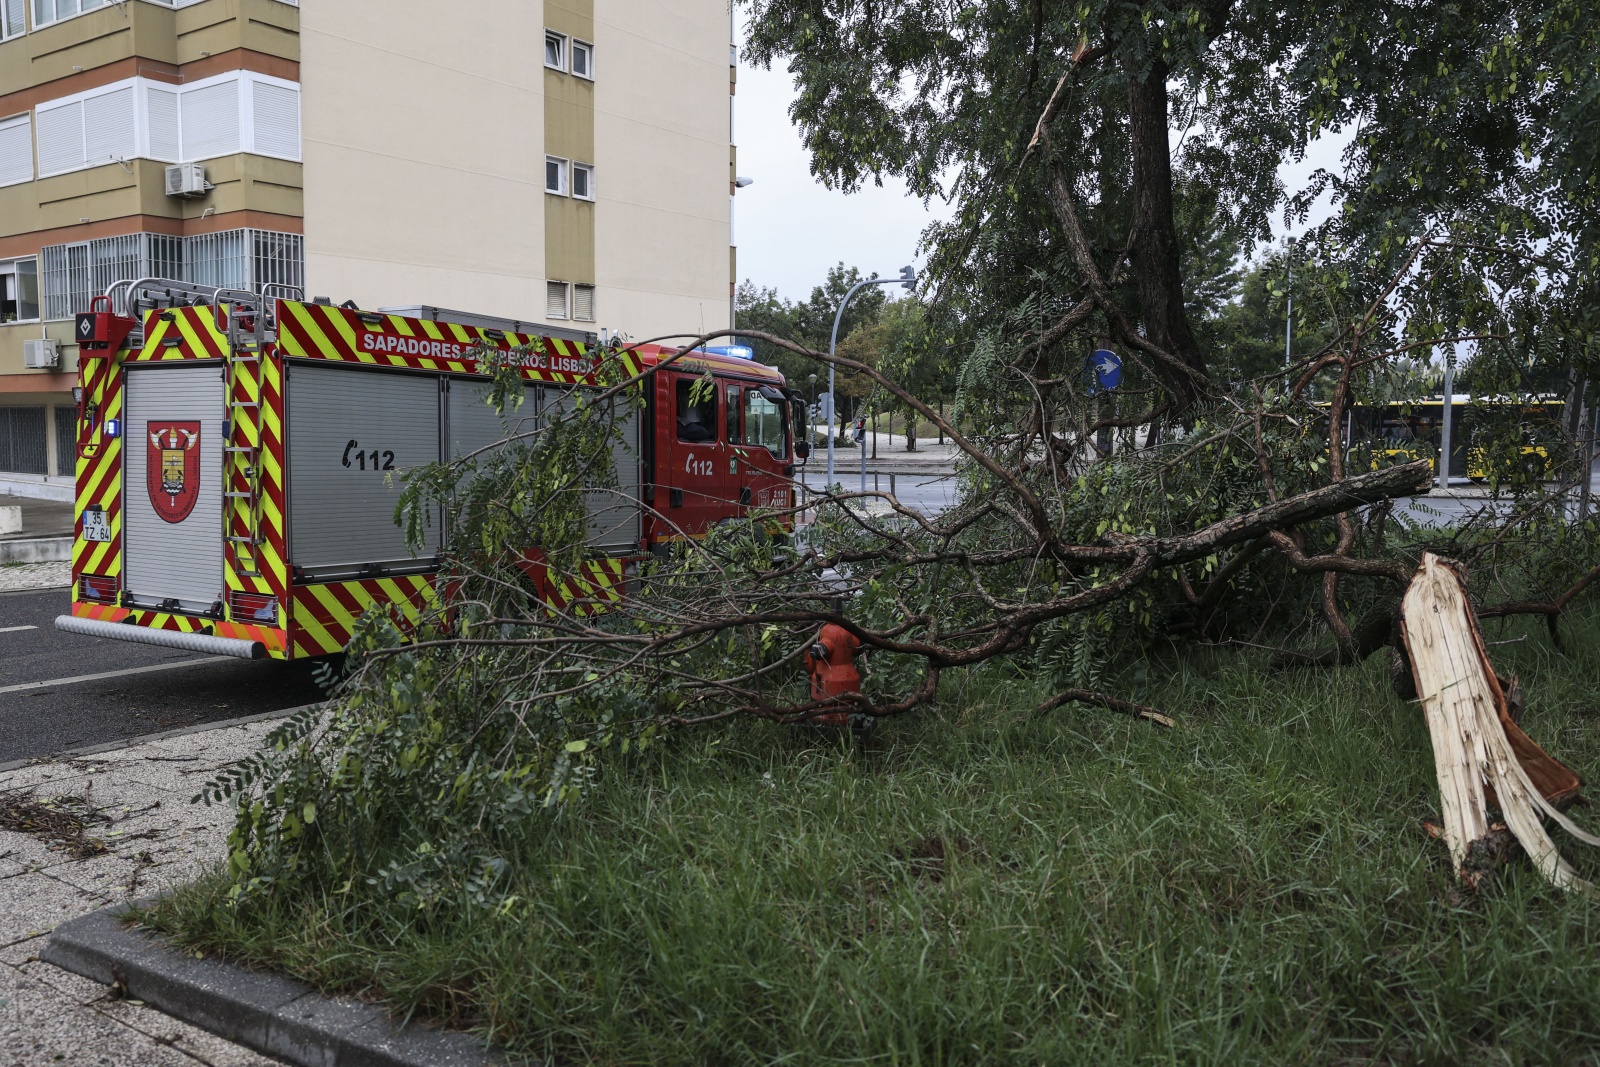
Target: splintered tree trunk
(1483, 759)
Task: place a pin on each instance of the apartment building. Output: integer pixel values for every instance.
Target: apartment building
(569, 161)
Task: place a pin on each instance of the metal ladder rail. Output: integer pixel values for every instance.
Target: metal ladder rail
(246, 335)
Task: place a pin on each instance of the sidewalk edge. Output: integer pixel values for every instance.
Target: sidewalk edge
(265, 1012)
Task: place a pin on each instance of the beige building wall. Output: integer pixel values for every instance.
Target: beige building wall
(422, 134)
(407, 202)
(662, 132)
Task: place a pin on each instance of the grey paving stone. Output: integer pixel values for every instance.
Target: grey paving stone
(38, 1028)
(35, 904)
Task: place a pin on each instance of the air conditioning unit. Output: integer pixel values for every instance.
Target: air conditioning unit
(187, 180)
(41, 352)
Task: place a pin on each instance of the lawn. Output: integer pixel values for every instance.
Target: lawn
(980, 885)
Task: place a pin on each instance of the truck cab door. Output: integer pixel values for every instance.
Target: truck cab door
(763, 447)
(695, 475)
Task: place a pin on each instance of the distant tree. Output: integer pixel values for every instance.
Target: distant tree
(809, 323)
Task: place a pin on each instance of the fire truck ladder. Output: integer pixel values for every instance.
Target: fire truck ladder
(247, 334)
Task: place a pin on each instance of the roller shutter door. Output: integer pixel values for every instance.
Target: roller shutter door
(474, 424)
(352, 433)
(165, 559)
(614, 516)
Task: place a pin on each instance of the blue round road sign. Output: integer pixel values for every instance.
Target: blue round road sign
(1105, 369)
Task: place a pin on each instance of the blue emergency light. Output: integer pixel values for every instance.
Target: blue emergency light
(733, 351)
(111, 427)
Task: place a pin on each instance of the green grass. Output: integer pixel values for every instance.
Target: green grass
(977, 885)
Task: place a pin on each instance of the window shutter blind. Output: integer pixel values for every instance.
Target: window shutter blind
(108, 127)
(555, 306)
(583, 303)
(275, 112)
(60, 138)
(16, 150)
(161, 107)
(210, 121)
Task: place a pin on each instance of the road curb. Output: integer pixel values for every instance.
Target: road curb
(269, 1013)
(36, 550)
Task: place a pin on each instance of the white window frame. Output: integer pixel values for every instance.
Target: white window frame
(33, 14)
(18, 31)
(561, 40)
(566, 297)
(588, 169)
(246, 81)
(566, 176)
(572, 58)
(8, 266)
(99, 4)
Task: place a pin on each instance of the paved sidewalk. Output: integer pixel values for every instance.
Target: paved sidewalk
(14, 576)
(154, 839)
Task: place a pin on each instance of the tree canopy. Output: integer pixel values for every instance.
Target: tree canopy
(1104, 158)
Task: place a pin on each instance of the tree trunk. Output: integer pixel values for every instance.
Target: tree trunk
(1482, 758)
(911, 431)
(1155, 257)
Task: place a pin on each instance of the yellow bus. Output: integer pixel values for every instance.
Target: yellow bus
(1481, 432)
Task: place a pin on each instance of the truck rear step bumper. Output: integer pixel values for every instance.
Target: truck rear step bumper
(145, 635)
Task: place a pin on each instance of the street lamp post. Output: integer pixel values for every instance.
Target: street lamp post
(907, 280)
(1447, 411)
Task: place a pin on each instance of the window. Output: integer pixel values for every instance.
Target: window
(555, 175)
(22, 441)
(763, 419)
(16, 150)
(19, 290)
(583, 303)
(275, 119)
(732, 411)
(55, 10)
(555, 50)
(697, 410)
(70, 275)
(239, 111)
(208, 119)
(555, 300)
(583, 181)
(10, 18)
(583, 59)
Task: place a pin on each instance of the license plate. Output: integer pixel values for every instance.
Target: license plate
(95, 526)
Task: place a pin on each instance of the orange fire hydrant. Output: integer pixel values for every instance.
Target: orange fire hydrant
(831, 663)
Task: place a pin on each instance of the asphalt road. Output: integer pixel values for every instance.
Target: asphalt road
(144, 690)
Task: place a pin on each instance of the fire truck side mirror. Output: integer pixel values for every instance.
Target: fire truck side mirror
(802, 449)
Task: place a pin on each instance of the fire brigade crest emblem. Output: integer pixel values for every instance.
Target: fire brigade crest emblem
(173, 471)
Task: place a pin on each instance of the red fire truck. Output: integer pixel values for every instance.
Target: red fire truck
(237, 455)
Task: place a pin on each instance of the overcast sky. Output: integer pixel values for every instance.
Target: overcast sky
(790, 228)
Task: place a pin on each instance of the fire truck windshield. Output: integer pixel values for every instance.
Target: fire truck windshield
(763, 422)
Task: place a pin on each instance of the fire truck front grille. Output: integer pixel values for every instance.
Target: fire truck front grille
(96, 587)
(253, 607)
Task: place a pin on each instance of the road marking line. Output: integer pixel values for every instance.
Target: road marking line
(14, 629)
(115, 674)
